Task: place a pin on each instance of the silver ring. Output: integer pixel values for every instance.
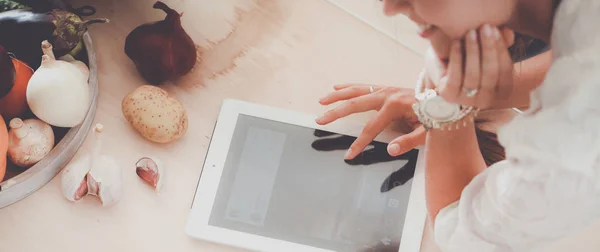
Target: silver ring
(470, 92)
(371, 90)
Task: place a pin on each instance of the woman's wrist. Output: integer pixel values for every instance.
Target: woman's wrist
(452, 159)
(435, 112)
(459, 134)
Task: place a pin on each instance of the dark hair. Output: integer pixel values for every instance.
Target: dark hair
(524, 48)
(491, 150)
(486, 126)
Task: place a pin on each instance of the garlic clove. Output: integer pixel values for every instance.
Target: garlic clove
(105, 180)
(81, 191)
(73, 179)
(151, 170)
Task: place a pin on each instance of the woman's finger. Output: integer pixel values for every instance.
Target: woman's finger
(489, 65)
(375, 126)
(451, 83)
(505, 79)
(509, 37)
(356, 105)
(472, 78)
(345, 94)
(407, 142)
(347, 85)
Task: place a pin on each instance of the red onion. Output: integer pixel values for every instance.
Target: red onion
(7, 73)
(161, 50)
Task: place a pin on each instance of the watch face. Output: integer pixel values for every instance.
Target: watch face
(439, 109)
(428, 94)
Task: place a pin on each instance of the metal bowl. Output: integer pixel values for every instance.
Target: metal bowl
(24, 184)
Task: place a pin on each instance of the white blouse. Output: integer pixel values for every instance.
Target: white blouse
(549, 185)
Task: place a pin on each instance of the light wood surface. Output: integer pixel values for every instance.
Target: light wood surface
(280, 53)
(398, 27)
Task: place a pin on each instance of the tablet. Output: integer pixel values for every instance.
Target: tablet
(273, 180)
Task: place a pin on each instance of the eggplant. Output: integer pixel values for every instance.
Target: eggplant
(42, 6)
(22, 33)
(8, 73)
(6, 5)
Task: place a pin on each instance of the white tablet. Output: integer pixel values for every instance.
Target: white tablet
(273, 180)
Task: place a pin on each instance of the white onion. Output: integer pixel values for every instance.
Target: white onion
(58, 92)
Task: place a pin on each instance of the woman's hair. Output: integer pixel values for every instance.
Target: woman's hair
(524, 47)
(490, 148)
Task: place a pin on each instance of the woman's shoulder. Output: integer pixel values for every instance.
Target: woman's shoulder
(564, 117)
(575, 27)
(576, 55)
(576, 12)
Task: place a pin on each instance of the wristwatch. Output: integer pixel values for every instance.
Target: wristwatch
(434, 112)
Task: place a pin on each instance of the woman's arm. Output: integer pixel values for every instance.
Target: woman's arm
(528, 75)
(543, 190)
(546, 189)
(452, 159)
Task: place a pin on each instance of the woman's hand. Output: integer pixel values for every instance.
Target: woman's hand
(482, 72)
(392, 104)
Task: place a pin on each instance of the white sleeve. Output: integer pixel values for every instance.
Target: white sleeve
(547, 188)
(549, 185)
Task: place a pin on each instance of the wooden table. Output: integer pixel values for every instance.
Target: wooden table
(284, 53)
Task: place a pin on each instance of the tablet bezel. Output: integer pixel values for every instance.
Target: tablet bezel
(198, 220)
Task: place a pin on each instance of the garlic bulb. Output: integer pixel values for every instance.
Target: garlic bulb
(95, 174)
(151, 170)
(58, 92)
(29, 141)
(74, 178)
(105, 181)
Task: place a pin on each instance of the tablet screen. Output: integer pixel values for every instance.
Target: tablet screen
(291, 183)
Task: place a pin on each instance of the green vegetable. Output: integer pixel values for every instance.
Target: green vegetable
(22, 32)
(75, 52)
(6, 5)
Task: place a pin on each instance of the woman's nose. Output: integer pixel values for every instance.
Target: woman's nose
(395, 7)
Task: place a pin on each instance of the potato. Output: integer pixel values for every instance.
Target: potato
(155, 114)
